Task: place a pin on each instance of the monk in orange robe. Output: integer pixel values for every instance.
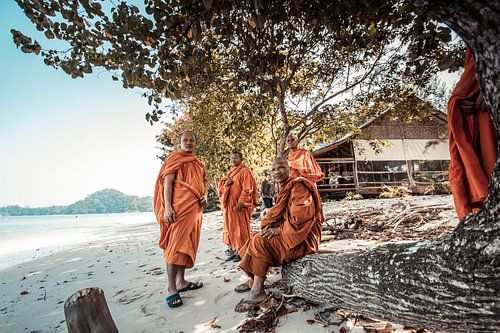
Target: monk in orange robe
(238, 195)
(473, 143)
(302, 162)
(291, 229)
(180, 194)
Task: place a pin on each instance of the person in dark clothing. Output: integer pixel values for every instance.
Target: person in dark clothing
(267, 191)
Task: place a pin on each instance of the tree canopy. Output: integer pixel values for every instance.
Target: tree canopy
(307, 56)
(225, 122)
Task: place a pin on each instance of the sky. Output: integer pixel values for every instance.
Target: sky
(62, 139)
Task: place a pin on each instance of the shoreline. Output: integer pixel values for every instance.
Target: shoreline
(22, 244)
(129, 267)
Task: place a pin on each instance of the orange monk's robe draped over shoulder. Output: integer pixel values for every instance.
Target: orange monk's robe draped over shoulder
(298, 214)
(303, 164)
(473, 142)
(180, 240)
(243, 190)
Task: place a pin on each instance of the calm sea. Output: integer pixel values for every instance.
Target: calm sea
(24, 238)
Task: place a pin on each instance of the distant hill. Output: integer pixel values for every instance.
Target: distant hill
(101, 202)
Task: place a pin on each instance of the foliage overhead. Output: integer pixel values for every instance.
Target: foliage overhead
(307, 56)
(169, 47)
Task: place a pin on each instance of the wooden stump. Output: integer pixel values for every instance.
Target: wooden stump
(86, 311)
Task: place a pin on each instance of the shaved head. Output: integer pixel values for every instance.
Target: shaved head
(188, 141)
(281, 169)
(236, 158)
(187, 132)
(292, 140)
(281, 159)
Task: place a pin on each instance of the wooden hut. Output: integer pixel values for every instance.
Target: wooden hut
(387, 151)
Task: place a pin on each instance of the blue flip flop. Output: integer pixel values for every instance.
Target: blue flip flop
(191, 286)
(174, 301)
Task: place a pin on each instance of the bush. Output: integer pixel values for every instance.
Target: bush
(389, 192)
(438, 187)
(213, 201)
(352, 196)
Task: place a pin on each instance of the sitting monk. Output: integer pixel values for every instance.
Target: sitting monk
(291, 230)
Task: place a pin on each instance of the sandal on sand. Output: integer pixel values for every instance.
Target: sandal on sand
(241, 288)
(174, 301)
(191, 286)
(250, 305)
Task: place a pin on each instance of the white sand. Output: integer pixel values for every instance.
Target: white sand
(129, 268)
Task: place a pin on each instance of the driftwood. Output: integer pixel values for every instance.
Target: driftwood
(398, 223)
(86, 311)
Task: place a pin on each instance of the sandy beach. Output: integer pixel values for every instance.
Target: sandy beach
(129, 267)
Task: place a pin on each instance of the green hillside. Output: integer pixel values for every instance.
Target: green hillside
(101, 202)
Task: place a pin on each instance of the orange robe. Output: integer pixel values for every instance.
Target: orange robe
(303, 164)
(473, 141)
(236, 229)
(180, 240)
(298, 214)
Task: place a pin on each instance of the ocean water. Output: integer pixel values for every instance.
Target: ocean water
(25, 238)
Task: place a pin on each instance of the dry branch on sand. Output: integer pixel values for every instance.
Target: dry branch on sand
(400, 221)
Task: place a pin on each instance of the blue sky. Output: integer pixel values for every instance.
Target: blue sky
(61, 138)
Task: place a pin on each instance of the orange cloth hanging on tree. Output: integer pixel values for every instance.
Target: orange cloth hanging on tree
(473, 144)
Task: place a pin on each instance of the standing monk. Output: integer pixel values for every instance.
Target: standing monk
(302, 162)
(238, 194)
(180, 195)
(291, 229)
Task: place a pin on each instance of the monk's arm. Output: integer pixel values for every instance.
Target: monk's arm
(246, 195)
(204, 198)
(302, 208)
(314, 170)
(168, 190)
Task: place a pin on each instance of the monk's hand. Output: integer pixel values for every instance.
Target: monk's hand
(270, 232)
(169, 214)
(228, 182)
(203, 201)
(239, 207)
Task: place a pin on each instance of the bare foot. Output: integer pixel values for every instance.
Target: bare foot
(251, 302)
(241, 288)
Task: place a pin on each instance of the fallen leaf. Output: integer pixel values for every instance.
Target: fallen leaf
(386, 329)
(226, 279)
(24, 292)
(212, 323)
(310, 321)
(269, 304)
(252, 23)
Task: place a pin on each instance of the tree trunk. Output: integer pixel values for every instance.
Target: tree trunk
(452, 284)
(86, 311)
(286, 126)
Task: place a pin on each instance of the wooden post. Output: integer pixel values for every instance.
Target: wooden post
(355, 169)
(86, 311)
